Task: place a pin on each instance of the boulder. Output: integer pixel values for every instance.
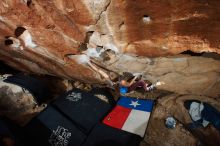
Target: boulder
(58, 32)
(16, 103)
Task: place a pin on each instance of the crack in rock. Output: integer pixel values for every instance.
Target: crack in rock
(106, 7)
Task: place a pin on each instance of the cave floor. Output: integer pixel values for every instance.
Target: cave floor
(166, 104)
(171, 104)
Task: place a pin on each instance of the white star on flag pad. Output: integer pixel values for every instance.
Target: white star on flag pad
(134, 103)
(131, 115)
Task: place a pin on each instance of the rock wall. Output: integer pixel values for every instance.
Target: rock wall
(59, 31)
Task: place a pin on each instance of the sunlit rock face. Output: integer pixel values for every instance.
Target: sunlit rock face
(59, 31)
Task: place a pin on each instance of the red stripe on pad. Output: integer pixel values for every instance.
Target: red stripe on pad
(117, 117)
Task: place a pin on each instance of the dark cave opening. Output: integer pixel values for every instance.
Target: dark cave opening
(5, 69)
(191, 53)
(212, 55)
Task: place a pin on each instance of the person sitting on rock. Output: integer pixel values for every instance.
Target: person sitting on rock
(126, 86)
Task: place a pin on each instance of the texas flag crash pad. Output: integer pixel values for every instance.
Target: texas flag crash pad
(131, 115)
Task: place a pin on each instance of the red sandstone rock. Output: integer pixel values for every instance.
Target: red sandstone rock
(152, 28)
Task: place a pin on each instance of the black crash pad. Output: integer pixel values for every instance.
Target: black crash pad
(82, 108)
(51, 128)
(103, 135)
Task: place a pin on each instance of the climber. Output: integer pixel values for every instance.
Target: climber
(13, 42)
(126, 86)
